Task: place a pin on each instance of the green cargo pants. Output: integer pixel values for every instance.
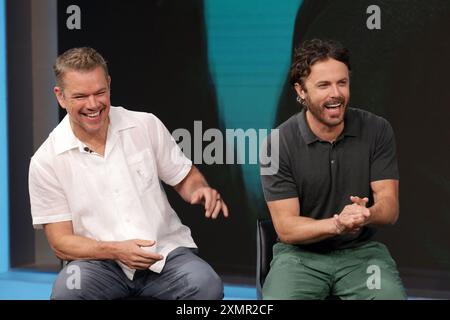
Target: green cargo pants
(365, 272)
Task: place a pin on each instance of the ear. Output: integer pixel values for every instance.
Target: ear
(301, 92)
(60, 96)
(109, 82)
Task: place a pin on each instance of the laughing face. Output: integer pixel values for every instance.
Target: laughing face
(326, 93)
(86, 98)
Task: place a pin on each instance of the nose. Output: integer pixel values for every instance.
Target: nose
(92, 101)
(335, 91)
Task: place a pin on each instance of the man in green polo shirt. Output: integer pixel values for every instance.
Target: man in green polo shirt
(337, 179)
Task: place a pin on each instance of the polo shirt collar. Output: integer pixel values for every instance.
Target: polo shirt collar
(305, 130)
(351, 126)
(66, 140)
(352, 123)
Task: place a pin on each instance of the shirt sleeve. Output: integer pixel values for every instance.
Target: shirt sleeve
(277, 180)
(173, 165)
(384, 158)
(47, 199)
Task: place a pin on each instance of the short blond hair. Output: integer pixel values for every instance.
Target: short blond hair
(78, 59)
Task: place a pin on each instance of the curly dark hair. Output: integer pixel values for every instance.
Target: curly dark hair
(312, 51)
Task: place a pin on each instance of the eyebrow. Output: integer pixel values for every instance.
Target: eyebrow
(84, 94)
(328, 82)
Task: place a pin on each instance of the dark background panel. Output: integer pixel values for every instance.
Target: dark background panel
(20, 130)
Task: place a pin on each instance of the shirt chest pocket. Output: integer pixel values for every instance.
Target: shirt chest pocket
(143, 172)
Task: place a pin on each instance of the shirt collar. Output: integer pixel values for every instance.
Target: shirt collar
(351, 126)
(352, 123)
(66, 140)
(305, 130)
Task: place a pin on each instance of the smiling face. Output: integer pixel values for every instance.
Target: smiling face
(326, 92)
(86, 97)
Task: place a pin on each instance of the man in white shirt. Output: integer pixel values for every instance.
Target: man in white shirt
(95, 189)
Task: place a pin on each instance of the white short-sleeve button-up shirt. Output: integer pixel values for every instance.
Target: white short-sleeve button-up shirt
(118, 196)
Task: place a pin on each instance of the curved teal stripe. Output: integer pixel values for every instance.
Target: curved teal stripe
(249, 50)
(4, 199)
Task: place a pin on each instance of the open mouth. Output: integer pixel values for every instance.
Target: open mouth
(92, 115)
(333, 106)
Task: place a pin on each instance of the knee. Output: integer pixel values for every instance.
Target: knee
(205, 286)
(391, 289)
(80, 280)
(389, 286)
(62, 290)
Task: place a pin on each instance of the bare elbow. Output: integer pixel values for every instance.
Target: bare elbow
(394, 219)
(61, 256)
(287, 241)
(395, 215)
(59, 247)
(286, 238)
(285, 232)
(59, 236)
(58, 253)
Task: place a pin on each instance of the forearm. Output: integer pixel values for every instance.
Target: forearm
(384, 211)
(303, 230)
(193, 181)
(74, 247)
